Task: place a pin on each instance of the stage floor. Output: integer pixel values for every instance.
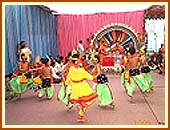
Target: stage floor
(32, 111)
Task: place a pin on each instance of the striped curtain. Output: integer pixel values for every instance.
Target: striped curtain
(33, 25)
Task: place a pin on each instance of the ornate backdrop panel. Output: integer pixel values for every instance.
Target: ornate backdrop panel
(72, 28)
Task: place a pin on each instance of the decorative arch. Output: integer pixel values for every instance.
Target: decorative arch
(113, 33)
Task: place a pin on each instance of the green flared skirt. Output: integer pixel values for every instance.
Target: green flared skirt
(149, 79)
(65, 98)
(17, 87)
(141, 82)
(104, 94)
(136, 80)
(46, 91)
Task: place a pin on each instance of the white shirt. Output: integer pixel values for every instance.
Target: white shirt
(117, 59)
(80, 48)
(57, 68)
(27, 52)
(54, 73)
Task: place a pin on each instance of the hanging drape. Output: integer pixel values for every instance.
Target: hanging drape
(33, 25)
(72, 28)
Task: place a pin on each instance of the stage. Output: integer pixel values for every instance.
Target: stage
(32, 111)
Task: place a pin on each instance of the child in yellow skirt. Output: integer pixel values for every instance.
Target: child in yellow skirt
(81, 93)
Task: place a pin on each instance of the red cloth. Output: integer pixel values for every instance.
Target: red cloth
(108, 60)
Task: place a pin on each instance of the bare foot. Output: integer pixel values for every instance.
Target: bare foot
(145, 94)
(151, 90)
(35, 90)
(80, 120)
(113, 105)
(131, 100)
(50, 98)
(18, 95)
(58, 98)
(102, 106)
(70, 109)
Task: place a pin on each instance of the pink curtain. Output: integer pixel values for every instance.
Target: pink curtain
(72, 28)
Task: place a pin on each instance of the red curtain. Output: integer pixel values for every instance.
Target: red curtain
(72, 28)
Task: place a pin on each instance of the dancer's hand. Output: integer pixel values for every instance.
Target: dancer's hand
(95, 79)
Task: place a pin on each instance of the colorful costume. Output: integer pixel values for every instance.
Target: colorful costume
(102, 87)
(20, 84)
(81, 92)
(103, 90)
(117, 63)
(124, 73)
(124, 78)
(37, 82)
(135, 78)
(145, 69)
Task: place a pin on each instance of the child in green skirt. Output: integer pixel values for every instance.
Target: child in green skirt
(20, 83)
(47, 80)
(102, 86)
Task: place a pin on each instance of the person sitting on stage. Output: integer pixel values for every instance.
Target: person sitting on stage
(145, 69)
(162, 50)
(89, 45)
(47, 80)
(91, 36)
(135, 78)
(88, 59)
(117, 61)
(102, 86)
(152, 61)
(160, 60)
(80, 47)
(81, 93)
(61, 60)
(56, 72)
(58, 66)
